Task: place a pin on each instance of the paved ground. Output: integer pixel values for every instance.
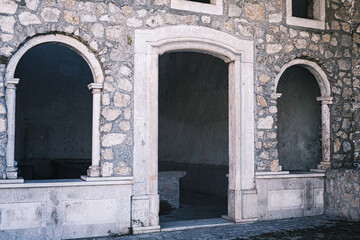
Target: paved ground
(299, 228)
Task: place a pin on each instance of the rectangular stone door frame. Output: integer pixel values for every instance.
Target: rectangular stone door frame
(149, 44)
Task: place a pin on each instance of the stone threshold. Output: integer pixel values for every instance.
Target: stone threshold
(269, 175)
(67, 183)
(192, 224)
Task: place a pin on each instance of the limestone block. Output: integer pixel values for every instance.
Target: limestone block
(275, 18)
(124, 84)
(273, 48)
(134, 22)
(112, 139)
(264, 78)
(234, 11)
(265, 123)
(88, 18)
(7, 24)
(2, 125)
(32, 4)
(301, 43)
(27, 18)
(114, 33)
(122, 169)
(8, 6)
(254, 11)
(110, 114)
(107, 169)
(108, 154)
(155, 21)
(50, 14)
(121, 100)
(71, 17)
(125, 126)
(261, 101)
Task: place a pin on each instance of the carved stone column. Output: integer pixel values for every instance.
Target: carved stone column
(325, 132)
(11, 169)
(95, 169)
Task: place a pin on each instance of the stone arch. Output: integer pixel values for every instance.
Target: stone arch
(325, 99)
(11, 82)
(149, 44)
(70, 42)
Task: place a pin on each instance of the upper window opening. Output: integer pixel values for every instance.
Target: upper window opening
(303, 8)
(203, 6)
(306, 13)
(201, 1)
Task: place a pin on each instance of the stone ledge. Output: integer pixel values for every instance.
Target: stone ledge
(291, 175)
(141, 230)
(103, 179)
(12, 181)
(64, 183)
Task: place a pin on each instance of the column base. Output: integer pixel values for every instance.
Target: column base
(324, 165)
(11, 173)
(94, 171)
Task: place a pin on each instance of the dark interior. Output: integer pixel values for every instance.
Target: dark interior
(200, 1)
(193, 131)
(53, 113)
(303, 8)
(299, 120)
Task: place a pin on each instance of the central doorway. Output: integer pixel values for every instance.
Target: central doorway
(193, 136)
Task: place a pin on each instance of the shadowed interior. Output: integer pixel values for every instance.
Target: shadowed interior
(53, 113)
(193, 131)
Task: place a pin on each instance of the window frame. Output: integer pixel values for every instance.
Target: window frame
(215, 7)
(319, 16)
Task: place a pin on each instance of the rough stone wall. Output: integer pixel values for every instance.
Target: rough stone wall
(342, 199)
(107, 27)
(355, 22)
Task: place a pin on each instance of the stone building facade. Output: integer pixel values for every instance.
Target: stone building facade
(121, 41)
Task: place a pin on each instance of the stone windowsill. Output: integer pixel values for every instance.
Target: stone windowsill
(68, 183)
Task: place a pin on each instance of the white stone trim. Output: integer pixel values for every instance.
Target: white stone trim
(95, 169)
(98, 77)
(69, 183)
(149, 44)
(290, 175)
(319, 16)
(11, 170)
(325, 99)
(215, 7)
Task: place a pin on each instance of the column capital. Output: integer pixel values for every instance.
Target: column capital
(11, 83)
(325, 99)
(94, 86)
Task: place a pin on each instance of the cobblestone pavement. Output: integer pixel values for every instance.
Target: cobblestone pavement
(300, 228)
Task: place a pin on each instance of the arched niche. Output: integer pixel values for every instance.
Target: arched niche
(325, 99)
(11, 82)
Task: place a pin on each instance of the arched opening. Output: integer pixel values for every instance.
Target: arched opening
(53, 113)
(193, 148)
(299, 120)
